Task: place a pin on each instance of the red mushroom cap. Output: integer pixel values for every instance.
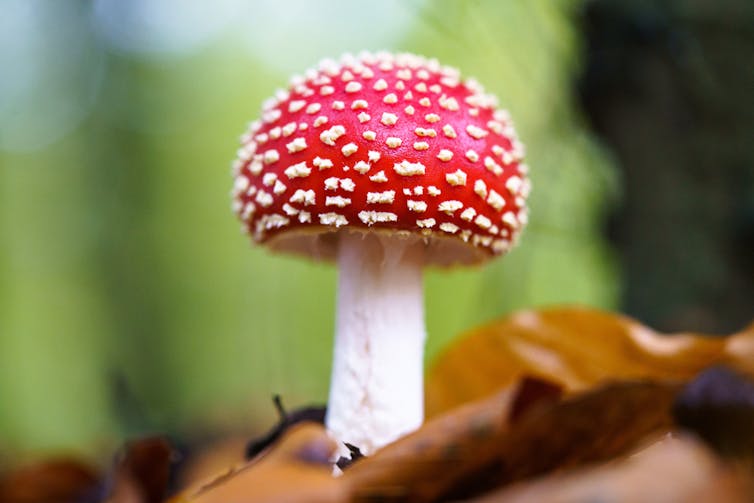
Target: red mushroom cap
(394, 143)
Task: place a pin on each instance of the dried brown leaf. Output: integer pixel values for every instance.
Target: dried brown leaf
(674, 470)
(296, 469)
(54, 480)
(576, 347)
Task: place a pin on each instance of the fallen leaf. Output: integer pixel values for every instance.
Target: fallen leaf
(141, 472)
(54, 480)
(674, 470)
(422, 465)
(478, 448)
(296, 469)
(577, 348)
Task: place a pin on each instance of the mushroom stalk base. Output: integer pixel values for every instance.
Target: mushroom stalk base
(377, 392)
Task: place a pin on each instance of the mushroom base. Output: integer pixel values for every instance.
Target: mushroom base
(377, 392)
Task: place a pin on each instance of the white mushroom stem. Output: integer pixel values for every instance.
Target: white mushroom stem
(376, 390)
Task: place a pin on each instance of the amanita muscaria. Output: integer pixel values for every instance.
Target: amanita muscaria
(386, 164)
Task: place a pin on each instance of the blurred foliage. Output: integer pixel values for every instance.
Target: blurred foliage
(128, 299)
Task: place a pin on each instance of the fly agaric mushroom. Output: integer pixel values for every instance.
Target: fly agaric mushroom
(384, 163)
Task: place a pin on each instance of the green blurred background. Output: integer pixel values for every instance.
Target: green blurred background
(129, 300)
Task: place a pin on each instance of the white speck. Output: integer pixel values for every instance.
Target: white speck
(241, 184)
(400, 85)
(346, 76)
(483, 222)
(500, 245)
(335, 219)
(417, 206)
(307, 197)
(255, 167)
(456, 178)
(364, 117)
(449, 103)
(426, 223)
(422, 74)
(449, 227)
(390, 99)
(406, 168)
(472, 156)
(386, 197)
(353, 87)
(362, 167)
(279, 187)
(369, 135)
(388, 119)
(295, 106)
(271, 116)
(349, 149)
(289, 210)
(264, 199)
(300, 170)
(393, 142)
(445, 155)
(320, 163)
(513, 184)
(297, 145)
(510, 219)
(275, 132)
(433, 191)
(331, 183)
(262, 138)
(374, 156)
(347, 184)
(432, 118)
(435, 88)
(492, 166)
(339, 201)
(379, 177)
(330, 136)
(418, 190)
(304, 217)
(421, 145)
(425, 132)
(421, 87)
(274, 221)
(326, 90)
(480, 188)
(403, 74)
(407, 192)
(271, 156)
(496, 200)
(448, 131)
(373, 217)
(468, 214)
(450, 207)
(380, 85)
(367, 73)
(269, 179)
(409, 110)
(358, 104)
(408, 96)
(313, 108)
(320, 121)
(302, 126)
(425, 102)
(289, 129)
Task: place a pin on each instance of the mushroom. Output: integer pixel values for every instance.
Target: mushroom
(385, 164)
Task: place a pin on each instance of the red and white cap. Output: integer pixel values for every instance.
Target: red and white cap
(392, 143)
